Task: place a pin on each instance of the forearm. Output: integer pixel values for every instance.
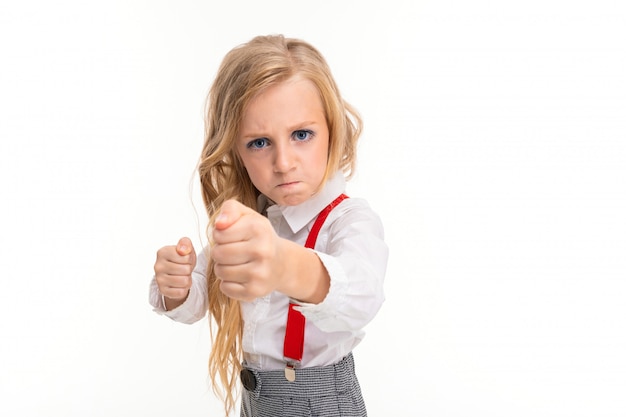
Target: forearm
(302, 275)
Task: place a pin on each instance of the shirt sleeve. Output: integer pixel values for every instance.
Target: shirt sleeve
(195, 306)
(355, 257)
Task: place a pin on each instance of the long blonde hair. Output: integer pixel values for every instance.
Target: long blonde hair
(245, 72)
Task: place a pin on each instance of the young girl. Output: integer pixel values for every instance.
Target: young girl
(295, 267)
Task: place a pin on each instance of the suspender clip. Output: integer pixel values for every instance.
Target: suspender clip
(290, 371)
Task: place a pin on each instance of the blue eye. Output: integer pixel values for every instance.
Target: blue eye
(302, 135)
(258, 143)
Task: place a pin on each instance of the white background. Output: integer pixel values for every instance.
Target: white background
(494, 150)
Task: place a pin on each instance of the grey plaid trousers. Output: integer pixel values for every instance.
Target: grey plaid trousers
(325, 391)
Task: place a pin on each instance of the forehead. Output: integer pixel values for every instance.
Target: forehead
(285, 102)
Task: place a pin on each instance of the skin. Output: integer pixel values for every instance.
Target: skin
(283, 144)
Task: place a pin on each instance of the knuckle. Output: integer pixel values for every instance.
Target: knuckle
(187, 270)
(259, 226)
(159, 271)
(259, 251)
(218, 270)
(163, 252)
(216, 252)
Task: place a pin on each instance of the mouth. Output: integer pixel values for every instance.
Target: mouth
(287, 184)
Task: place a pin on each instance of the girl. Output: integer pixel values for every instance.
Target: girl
(295, 268)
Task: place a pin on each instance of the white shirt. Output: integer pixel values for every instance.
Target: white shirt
(350, 245)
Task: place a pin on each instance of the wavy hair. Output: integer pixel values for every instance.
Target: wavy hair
(245, 72)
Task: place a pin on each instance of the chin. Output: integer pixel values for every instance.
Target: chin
(290, 200)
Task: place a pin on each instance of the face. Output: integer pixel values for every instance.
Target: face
(283, 141)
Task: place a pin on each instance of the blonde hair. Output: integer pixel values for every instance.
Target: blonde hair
(245, 72)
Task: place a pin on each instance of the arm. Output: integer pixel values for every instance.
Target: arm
(178, 288)
(252, 261)
(303, 277)
(355, 255)
(345, 278)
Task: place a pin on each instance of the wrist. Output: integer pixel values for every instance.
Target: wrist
(303, 276)
(171, 303)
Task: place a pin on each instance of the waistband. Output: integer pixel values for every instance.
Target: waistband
(317, 381)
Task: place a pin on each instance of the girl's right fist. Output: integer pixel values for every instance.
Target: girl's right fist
(173, 268)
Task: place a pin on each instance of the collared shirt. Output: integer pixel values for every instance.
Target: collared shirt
(352, 249)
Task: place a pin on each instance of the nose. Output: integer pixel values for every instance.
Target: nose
(284, 158)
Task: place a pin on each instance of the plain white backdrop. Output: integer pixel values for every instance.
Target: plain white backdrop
(494, 149)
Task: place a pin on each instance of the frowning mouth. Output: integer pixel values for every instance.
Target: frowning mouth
(287, 184)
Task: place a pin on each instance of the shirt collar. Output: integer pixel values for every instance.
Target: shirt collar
(299, 216)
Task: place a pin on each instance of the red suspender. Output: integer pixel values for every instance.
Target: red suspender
(294, 333)
(321, 218)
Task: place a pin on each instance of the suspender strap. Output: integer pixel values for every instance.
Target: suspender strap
(294, 333)
(321, 218)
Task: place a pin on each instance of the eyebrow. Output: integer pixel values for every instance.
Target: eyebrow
(297, 126)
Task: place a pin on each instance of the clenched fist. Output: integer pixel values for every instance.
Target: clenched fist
(173, 268)
(245, 252)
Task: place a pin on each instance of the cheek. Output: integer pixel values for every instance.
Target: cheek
(256, 172)
(245, 161)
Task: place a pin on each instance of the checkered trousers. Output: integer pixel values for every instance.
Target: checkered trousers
(325, 391)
